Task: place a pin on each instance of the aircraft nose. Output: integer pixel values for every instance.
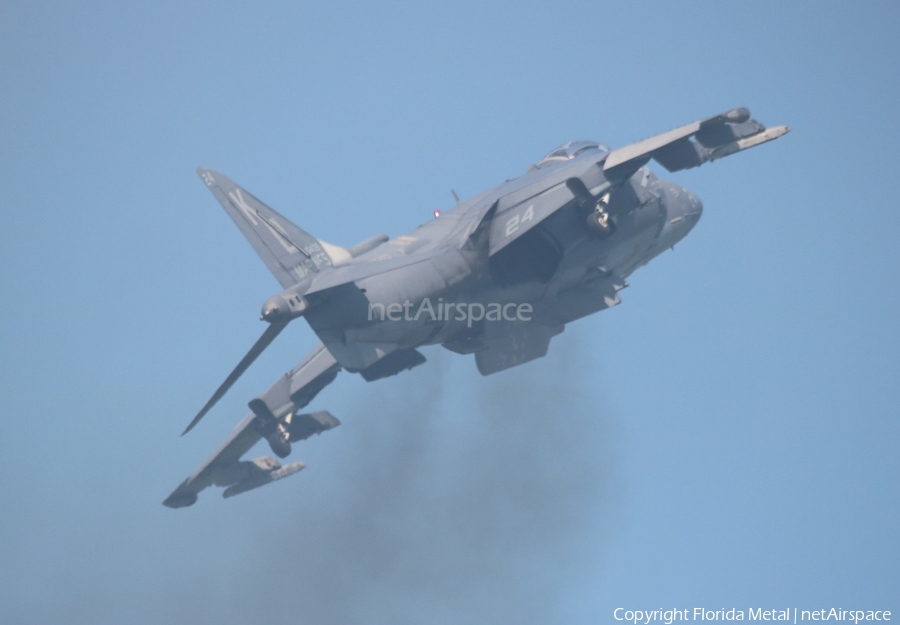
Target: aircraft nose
(695, 208)
(683, 210)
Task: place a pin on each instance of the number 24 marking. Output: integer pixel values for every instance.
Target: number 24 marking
(515, 221)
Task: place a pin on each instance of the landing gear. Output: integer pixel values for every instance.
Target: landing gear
(599, 222)
(279, 439)
(280, 442)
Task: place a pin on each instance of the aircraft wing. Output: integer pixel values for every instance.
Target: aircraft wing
(276, 408)
(691, 145)
(682, 148)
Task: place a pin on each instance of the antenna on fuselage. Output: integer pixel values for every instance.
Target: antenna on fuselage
(455, 197)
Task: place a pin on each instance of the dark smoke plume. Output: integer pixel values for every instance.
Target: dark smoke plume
(480, 500)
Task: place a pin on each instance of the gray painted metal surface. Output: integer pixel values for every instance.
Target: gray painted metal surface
(498, 276)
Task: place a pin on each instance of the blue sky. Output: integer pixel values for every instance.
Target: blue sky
(727, 437)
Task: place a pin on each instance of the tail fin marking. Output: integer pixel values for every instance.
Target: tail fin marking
(289, 252)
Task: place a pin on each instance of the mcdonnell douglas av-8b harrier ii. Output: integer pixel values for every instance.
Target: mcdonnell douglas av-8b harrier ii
(498, 276)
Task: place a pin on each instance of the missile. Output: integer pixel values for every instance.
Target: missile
(765, 136)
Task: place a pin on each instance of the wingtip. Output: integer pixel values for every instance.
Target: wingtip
(191, 425)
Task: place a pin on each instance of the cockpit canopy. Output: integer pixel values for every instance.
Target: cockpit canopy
(569, 151)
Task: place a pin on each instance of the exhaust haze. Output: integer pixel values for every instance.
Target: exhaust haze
(458, 503)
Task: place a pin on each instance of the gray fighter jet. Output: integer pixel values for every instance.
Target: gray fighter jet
(498, 276)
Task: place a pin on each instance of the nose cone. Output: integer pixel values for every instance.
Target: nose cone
(683, 210)
(694, 209)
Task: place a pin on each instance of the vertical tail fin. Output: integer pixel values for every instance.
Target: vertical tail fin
(290, 253)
